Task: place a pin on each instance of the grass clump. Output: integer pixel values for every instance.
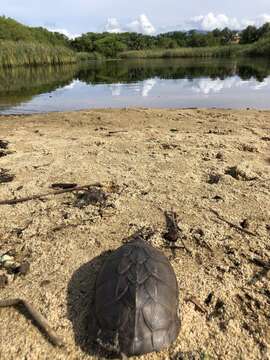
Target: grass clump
(199, 52)
(89, 56)
(29, 53)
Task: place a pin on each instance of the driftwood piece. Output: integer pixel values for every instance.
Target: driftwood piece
(5, 176)
(235, 226)
(64, 185)
(259, 262)
(197, 304)
(51, 193)
(116, 132)
(37, 317)
(172, 233)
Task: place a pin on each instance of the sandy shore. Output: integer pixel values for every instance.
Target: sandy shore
(211, 166)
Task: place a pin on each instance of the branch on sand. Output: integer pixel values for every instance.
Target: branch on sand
(235, 226)
(41, 322)
(198, 305)
(51, 193)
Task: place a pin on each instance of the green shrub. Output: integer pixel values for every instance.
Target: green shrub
(260, 48)
(89, 56)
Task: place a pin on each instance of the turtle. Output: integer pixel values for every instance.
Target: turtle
(135, 302)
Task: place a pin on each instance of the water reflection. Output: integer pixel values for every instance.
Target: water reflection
(141, 88)
(159, 83)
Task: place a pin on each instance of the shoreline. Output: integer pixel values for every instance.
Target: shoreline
(136, 108)
(199, 162)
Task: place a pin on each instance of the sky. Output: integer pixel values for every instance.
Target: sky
(74, 17)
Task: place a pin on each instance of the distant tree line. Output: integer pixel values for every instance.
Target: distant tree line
(110, 45)
(252, 34)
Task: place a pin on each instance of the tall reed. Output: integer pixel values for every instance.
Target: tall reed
(29, 53)
(201, 52)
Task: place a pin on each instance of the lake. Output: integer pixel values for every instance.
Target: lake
(164, 83)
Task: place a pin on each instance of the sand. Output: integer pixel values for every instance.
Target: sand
(212, 167)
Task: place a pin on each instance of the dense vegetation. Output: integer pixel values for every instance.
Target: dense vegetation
(110, 45)
(24, 45)
(177, 43)
(257, 49)
(14, 31)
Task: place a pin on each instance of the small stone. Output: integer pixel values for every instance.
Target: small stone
(248, 148)
(209, 298)
(217, 198)
(93, 196)
(45, 282)
(5, 176)
(198, 258)
(241, 172)
(214, 178)
(3, 280)
(6, 258)
(220, 156)
(24, 268)
(245, 224)
(3, 144)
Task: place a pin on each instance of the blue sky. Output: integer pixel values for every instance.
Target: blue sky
(146, 16)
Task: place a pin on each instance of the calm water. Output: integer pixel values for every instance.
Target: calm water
(145, 83)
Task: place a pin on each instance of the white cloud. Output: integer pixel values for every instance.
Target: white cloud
(147, 86)
(213, 21)
(141, 25)
(207, 86)
(262, 19)
(142, 88)
(113, 26)
(64, 32)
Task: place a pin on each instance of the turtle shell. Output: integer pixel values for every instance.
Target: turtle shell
(136, 300)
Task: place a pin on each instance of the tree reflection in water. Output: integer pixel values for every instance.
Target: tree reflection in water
(22, 84)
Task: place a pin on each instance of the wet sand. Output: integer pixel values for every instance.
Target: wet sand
(212, 167)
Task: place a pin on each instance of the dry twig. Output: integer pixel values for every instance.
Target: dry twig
(235, 226)
(116, 132)
(194, 301)
(37, 317)
(51, 193)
